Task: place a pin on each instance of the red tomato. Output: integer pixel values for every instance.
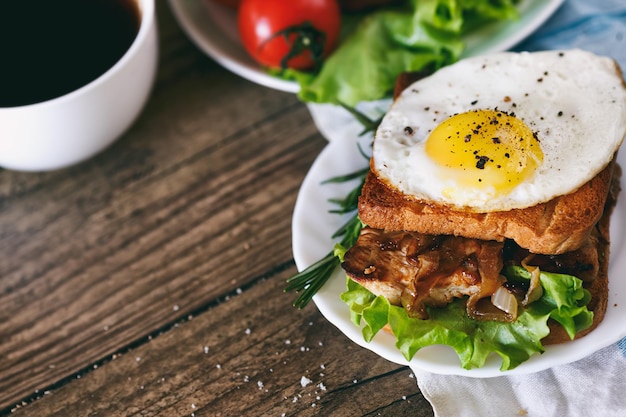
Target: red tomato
(289, 33)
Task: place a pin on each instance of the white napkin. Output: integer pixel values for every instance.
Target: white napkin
(594, 386)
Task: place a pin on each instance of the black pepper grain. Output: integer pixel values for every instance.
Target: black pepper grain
(481, 161)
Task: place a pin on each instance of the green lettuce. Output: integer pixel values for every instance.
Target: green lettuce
(564, 300)
(422, 35)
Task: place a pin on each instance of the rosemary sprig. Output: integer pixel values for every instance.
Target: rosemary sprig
(311, 279)
(368, 124)
(348, 204)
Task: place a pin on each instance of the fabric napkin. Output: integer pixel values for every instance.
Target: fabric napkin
(593, 386)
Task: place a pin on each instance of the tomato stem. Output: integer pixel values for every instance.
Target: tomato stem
(300, 38)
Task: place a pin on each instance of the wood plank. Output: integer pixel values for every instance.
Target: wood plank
(242, 356)
(129, 273)
(97, 256)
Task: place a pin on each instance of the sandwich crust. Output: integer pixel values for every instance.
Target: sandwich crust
(599, 287)
(554, 227)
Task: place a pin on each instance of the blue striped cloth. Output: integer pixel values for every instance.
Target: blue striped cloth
(594, 25)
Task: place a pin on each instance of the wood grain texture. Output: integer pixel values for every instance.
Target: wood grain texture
(242, 356)
(148, 280)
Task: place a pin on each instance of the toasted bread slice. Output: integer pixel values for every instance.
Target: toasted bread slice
(555, 227)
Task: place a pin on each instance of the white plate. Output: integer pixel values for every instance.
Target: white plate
(213, 28)
(313, 225)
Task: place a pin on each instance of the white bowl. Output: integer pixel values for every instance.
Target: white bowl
(73, 127)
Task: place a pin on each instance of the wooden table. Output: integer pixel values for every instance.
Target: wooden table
(149, 280)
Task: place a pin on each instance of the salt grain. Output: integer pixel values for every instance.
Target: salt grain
(248, 331)
(259, 384)
(304, 381)
(321, 386)
(175, 307)
(206, 349)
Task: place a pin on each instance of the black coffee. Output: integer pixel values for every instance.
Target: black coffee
(51, 47)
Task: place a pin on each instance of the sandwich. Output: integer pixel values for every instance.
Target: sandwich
(486, 209)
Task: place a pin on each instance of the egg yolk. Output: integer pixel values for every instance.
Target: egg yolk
(485, 148)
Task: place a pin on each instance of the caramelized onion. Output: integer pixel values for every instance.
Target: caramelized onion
(535, 290)
(506, 302)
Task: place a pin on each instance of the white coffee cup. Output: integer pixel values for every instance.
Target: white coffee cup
(68, 129)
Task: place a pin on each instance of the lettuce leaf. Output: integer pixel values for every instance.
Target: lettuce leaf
(423, 35)
(563, 296)
(564, 300)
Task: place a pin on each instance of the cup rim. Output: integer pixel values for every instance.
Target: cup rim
(147, 17)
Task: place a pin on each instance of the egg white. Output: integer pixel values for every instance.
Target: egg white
(573, 100)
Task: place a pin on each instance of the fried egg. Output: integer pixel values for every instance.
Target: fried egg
(503, 131)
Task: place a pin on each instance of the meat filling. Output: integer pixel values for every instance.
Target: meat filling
(417, 270)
